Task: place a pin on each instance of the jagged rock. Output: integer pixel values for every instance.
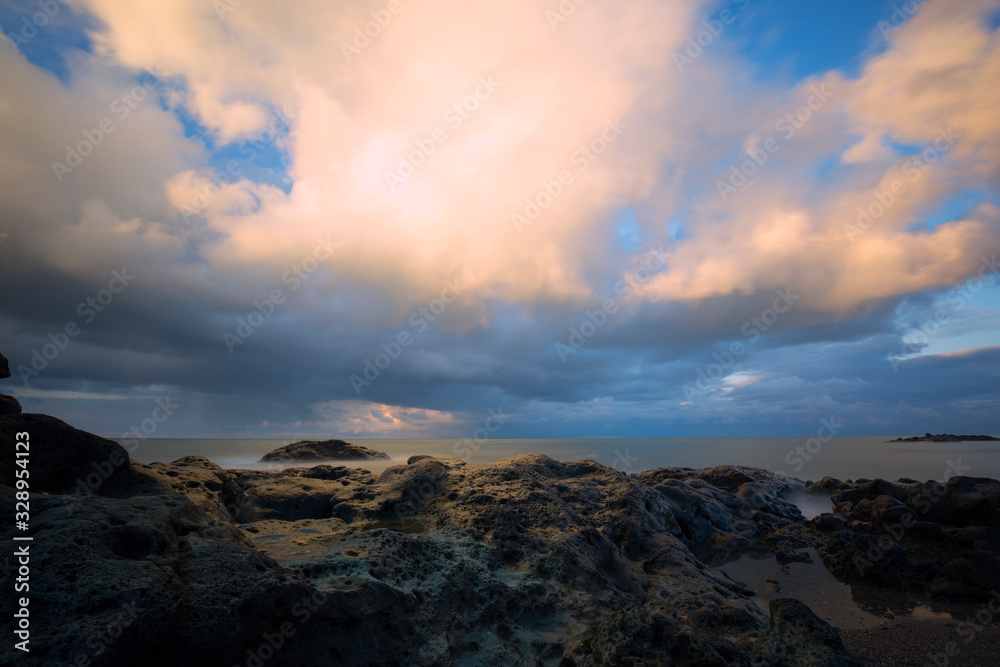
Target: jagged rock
(323, 450)
(4, 367)
(635, 637)
(799, 638)
(9, 406)
(526, 560)
(725, 509)
(895, 527)
(144, 582)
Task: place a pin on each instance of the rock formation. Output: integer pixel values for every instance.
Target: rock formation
(946, 437)
(522, 561)
(323, 450)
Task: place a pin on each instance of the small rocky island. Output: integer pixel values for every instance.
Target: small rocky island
(947, 437)
(323, 450)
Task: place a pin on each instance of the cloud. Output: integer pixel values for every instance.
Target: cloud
(488, 148)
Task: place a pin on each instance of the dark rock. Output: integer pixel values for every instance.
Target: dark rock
(799, 638)
(150, 583)
(526, 560)
(9, 406)
(946, 437)
(636, 637)
(784, 557)
(827, 522)
(64, 459)
(323, 450)
(4, 367)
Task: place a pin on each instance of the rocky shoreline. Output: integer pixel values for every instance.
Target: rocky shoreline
(526, 560)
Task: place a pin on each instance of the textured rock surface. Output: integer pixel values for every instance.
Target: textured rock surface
(940, 540)
(323, 450)
(523, 561)
(799, 638)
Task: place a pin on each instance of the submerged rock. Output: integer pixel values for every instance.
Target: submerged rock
(323, 450)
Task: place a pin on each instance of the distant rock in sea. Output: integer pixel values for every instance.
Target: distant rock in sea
(323, 450)
(947, 437)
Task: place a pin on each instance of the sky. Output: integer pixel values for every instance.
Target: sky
(647, 218)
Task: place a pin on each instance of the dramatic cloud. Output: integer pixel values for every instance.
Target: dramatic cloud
(386, 218)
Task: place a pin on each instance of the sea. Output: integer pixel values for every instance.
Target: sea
(804, 458)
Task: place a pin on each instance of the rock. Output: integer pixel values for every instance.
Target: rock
(64, 459)
(323, 450)
(526, 560)
(9, 406)
(636, 637)
(947, 437)
(784, 557)
(4, 367)
(827, 522)
(452, 463)
(156, 582)
(799, 638)
(722, 510)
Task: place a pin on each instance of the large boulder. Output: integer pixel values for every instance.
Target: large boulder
(323, 450)
(63, 459)
(799, 638)
(147, 581)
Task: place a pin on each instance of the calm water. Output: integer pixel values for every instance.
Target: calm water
(841, 457)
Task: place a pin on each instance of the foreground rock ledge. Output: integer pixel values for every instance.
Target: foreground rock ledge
(527, 560)
(323, 450)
